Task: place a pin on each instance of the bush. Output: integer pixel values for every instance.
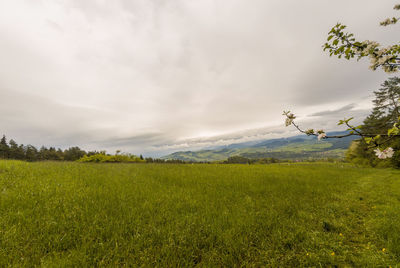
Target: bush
(119, 158)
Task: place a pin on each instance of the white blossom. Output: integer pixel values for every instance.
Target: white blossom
(387, 153)
(322, 136)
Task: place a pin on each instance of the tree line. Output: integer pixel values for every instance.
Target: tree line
(13, 150)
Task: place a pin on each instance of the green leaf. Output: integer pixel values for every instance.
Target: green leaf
(377, 137)
(348, 120)
(368, 140)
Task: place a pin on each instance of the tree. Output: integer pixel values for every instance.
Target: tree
(343, 44)
(384, 114)
(386, 109)
(73, 153)
(237, 160)
(21, 152)
(52, 154)
(16, 152)
(31, 153)
(4, 148)
(43, 153)
(59, 154)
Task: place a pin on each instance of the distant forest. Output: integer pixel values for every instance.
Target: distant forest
(13, 150)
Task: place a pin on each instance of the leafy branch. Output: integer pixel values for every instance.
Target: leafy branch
(344, 44)
(372, 139)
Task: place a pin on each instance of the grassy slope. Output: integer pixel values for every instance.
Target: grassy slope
(61, 214)
(299, 150)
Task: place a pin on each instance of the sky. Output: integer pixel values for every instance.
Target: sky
(153, 76)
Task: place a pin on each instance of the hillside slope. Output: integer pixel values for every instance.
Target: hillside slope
(294, 148)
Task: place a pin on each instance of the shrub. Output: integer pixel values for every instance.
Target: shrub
(119, 158)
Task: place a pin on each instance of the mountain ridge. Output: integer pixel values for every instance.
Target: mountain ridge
(299, 147)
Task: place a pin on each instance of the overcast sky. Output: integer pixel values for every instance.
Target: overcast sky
(156, 76)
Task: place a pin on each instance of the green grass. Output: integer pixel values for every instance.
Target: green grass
(75, 214)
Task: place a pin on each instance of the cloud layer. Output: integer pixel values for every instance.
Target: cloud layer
(153, 76)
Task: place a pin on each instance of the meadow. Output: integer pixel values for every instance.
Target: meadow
(61, 214)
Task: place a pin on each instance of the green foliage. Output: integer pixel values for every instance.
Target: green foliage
(343, 44)
(30, 153)
(4, 148)
(16, 152)
(237, 160)
(382, 120)
(66, 214)
(118, 158)
(73, 154)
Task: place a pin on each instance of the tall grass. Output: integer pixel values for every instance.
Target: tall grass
(76, 214)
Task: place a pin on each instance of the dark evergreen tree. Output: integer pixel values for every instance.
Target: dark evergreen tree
(4, 148)
(385, 113)
(386, 108)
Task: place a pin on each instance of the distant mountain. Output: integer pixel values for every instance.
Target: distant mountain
(299, 147)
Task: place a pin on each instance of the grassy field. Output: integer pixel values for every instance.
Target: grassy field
(75, 214)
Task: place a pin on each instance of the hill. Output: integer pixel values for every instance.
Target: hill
(300, 147)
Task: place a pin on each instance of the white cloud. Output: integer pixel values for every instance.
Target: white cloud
(148, 74)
